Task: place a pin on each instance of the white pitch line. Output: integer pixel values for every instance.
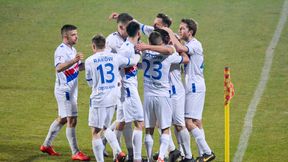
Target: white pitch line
(247, 128)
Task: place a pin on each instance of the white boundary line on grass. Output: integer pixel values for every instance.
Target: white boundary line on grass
(247, 128)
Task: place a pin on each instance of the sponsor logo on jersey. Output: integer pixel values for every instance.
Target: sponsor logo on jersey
(72, 73)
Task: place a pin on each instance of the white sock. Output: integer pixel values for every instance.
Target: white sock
(118, 134)
(149, 146)
(71, 136)
(112, 140)
(179, 142)
(201, 142)
(137, 144)
(177, 136)
(128, 133)
(185, 142)
(171, 146)
(203, 133)
(200, 151)
(98, 149)
(55, 127)
(164, 144)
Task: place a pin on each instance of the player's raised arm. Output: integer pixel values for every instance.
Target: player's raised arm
(145, 29)
(179, 47)
(161, 49)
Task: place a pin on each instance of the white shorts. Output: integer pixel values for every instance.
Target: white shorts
(157, 109)
(67, 103)
(178, 107)
(132, 106)
(194, 105)
(100, 117)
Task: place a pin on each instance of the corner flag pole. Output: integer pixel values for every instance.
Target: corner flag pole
(227, 132)
(228, 94)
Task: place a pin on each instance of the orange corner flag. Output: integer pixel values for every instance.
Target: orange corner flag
(228, 86)
(228, 94)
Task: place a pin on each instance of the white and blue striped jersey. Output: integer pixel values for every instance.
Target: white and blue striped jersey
(156, 68)
(194, 77)
(66, 80)
(128, 74)
(101, 74)
(114, 42)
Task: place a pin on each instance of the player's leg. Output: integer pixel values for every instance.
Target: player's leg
(120, 123)
(128, 130)
(163, 111)
(133, 111)
(171, 146)
(112, 127)
(111, 137)
(128, 133)
(99, 118)
(164, 142)
(56, 125)
(97, 144)
(54, 129)
(72, 113)
(149, 141)
(137, 141)
(180, 148)
(192, 112)
(205, 153)
(200, 140)
(198, 123)
(182, 134)
(150, 123)
(71, 134)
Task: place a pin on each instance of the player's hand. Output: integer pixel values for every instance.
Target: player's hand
(114, 16)
(142, 46)
(79, 56)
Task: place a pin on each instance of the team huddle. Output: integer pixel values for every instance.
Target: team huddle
(111, 72)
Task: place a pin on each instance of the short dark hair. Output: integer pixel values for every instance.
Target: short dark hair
(124, 18)
(191, 24)
(164, 35)
(67, 27)
(132, 28)
(165, 19)
(99, 41)
(155, 38)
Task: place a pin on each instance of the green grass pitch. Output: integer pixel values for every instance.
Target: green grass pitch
(233, 33)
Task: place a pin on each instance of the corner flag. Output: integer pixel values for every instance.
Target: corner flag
(228, 94)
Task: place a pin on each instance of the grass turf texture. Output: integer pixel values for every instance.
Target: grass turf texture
(234, 34)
